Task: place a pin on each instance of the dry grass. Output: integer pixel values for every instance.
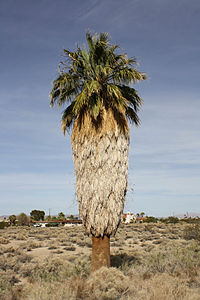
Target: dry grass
(153, 262)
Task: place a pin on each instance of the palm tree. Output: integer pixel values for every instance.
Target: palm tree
(94, 82)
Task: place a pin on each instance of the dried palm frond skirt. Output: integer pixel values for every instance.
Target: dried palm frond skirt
(101, 163)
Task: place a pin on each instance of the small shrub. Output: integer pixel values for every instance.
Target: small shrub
(62, 238)
(27, 269)
(69, 248)
(52, 247)
(21, 236)
(192, 232)
(149, 228)
(80, 243)
(58, 252)
(3, 225)
(4, 241)
(156, 242)
(107, 284)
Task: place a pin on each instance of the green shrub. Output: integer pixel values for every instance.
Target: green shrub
(3, 224)
(52, 225)
(151, 220)
(172, 220)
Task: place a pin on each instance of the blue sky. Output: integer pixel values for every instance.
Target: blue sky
(36, 167)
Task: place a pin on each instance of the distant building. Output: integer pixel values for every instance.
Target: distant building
(55, 222)
(4, 219)
(129, 218)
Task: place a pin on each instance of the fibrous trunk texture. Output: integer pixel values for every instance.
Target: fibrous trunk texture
(100, 252)
(101, 162)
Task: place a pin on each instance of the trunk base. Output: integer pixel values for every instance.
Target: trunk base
(100, 253)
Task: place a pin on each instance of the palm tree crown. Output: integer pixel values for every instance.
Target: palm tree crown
(94, 79)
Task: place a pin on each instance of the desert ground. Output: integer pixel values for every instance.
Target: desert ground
(149, 261)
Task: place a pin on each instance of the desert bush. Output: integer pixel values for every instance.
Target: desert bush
(88, 242)
(52, 247)
(47, 290)
(149, 248)
(28, 269)
(13, 259)
(65, 244)
(74, 240)
(29, 245)
(58, 251)
(107, 284)
(117, 287)
(174, 263)
(124, 261)
(59, 269)
(4, 241)
(160, 287)
(69, 248)
(52, 269)
(21, 235)
(80, 243)
(7, 281)
(52, 244)
(157, 242)
(3, 225)
(192, 232)
(62, 237)
(52, 225)
(149, 228)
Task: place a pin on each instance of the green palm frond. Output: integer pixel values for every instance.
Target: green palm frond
(132, 116)
(94, 77)
(95, 105)
(68, 117)
(65, 87)
(131, 96)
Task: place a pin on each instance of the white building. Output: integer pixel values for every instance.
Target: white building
(129, 218)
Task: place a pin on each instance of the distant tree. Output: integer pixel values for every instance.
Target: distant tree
(12, 219)
(23, 219)
(191, 220)
(37, 215)
(71, 217)
(163, 220)
(61, 216)
(151, 220)
(142, 214)
(172, 220)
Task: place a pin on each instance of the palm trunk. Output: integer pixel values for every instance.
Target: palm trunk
(100, 252)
